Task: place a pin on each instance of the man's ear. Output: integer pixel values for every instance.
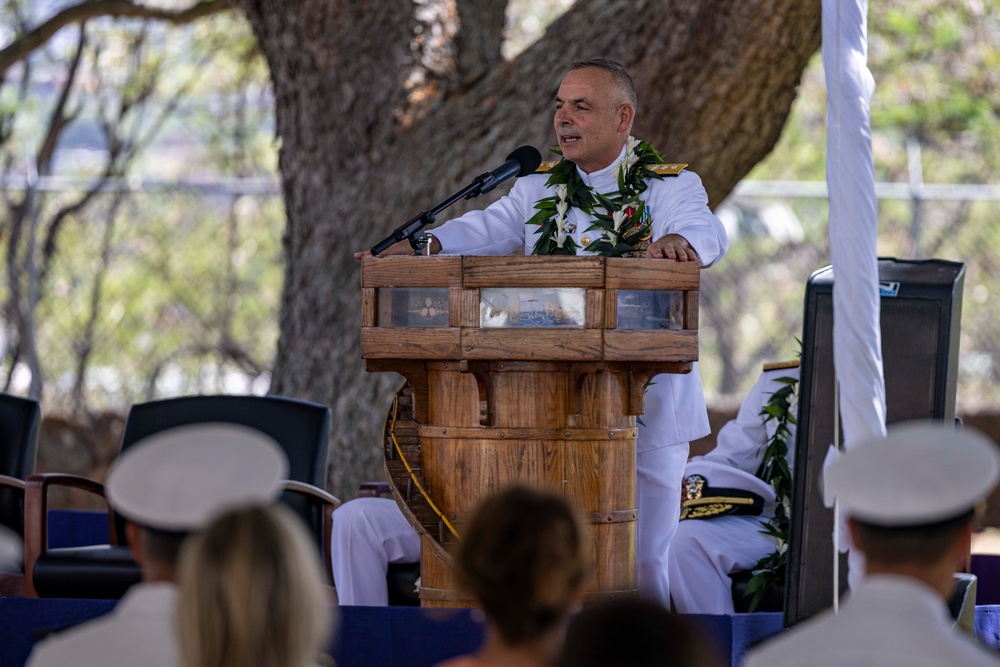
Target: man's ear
(133, 537)
(963, 546)
(626, 113)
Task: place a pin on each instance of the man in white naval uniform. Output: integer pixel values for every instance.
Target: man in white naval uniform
(704, 552)
(910, 500)
(594, 110)
(166, 486)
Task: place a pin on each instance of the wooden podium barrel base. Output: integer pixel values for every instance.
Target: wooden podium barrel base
(564, 460)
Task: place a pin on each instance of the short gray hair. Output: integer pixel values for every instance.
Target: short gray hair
(622, 78)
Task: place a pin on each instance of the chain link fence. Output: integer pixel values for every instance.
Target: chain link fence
(187, 299)
(753, 301)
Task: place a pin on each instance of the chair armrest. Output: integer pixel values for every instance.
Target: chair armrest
(36, 519)
(373, 490)
(322, 497)
(311, 491)
(11, 482)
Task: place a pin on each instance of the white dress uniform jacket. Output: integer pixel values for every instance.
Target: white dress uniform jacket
(888, 621)
(138, 632)
(704, 552)
(675, 410)
(675, 405)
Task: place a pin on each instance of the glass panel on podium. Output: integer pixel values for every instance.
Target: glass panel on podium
(532, 307)
(650, 310)
(412, 307)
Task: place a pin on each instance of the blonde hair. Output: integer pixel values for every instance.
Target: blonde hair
(252, 593)
(523, 558)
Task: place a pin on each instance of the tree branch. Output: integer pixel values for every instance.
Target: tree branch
(60, 118)
(479, 38)
(24, 45)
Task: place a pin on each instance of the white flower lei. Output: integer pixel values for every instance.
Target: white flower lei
(624, 207)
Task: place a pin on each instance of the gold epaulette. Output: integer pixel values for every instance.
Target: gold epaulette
(546, 166)
(781, 365)
(667, 169)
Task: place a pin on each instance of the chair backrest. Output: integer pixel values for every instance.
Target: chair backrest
(19, 419)
(920, 316)
(301, 428)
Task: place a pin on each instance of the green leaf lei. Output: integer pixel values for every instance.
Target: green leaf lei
(624, 222)
(770, 570)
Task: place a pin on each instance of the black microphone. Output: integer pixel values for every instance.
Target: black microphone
(521, 162)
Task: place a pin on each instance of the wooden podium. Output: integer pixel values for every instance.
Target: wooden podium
(522, 370)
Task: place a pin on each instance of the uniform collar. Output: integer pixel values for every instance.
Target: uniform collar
(148, 597)
(899, 591)
(603, 180)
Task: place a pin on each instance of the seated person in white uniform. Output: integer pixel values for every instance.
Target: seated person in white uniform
(594, 110)
(705, 551)
(909, 499)
(153, 486)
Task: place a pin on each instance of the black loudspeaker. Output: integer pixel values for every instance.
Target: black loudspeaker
(921, 309)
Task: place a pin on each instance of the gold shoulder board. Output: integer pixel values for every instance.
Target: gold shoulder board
(781, 365)
(546, 166)
(671, 169)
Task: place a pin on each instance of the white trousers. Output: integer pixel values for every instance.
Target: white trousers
(368, 534)
(703, 554)
(659, 475)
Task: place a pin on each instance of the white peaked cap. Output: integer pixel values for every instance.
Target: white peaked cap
(719, 475)
(178, 479)
(923, 472)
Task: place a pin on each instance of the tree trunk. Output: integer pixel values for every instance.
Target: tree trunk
(372, 132)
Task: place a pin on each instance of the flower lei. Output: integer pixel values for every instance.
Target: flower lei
(770, 570)
(624, 223)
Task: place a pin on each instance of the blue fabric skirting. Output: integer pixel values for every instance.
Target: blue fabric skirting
(392, 636)
(369, 636)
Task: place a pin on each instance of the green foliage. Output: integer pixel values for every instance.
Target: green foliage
(188, 299)
(780, 410)
(937, 72)
(618, 239)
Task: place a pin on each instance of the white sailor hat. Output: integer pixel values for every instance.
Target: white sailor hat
(923, 472)
(178, 479)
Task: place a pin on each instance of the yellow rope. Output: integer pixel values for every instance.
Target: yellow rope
(399, 453)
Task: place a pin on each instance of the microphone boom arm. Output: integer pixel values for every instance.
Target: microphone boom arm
(413, 226)
(521, 162)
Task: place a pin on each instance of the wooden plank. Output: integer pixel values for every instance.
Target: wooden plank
(652, 274)
(454, 306)
(650, 345)
(453, 397)
(406, 343)
(603, 435)
(594, 314)
(610, 308)
(691, 301)
(467, 312)
(369, 306)
(600, 474)
(409, 271)
(614, 557)
(531, 271)
(532, 344)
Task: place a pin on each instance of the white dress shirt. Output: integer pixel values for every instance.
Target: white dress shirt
(138, 632)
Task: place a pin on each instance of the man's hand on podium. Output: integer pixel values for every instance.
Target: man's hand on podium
(401, 248)
(672, 246)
